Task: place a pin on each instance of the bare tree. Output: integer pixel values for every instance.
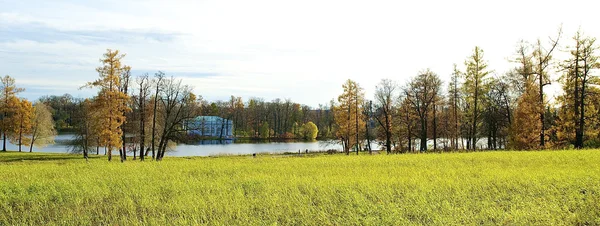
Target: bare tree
(421, 93)
(159, 76)
(144, 89)
(178, 105)
(542, 57)
(384, 96)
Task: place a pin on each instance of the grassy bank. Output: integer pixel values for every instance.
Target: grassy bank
(544, 188)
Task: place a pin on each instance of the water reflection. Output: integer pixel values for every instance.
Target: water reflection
(204, 147)
(237, 147)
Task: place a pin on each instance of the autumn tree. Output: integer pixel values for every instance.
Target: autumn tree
(8, 105)
(589, 64)
(384, 97)
(111, 103)
(348, 116)
(578, 80)
(43, 130)
(406, 124)
(421, 92)
(475, 88)
(21, 120)
(525, 127)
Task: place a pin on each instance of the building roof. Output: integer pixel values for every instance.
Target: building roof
(208, 118)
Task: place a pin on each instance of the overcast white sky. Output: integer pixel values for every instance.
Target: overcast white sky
(303, 50)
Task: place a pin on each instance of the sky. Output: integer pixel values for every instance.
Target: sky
(302, 50)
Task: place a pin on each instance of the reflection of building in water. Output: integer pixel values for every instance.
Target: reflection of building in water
(210, 126)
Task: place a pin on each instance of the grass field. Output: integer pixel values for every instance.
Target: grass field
(522, 188)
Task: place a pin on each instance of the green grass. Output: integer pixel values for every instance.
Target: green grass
(514, 188)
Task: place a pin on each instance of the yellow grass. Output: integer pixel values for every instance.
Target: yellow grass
(514, 188)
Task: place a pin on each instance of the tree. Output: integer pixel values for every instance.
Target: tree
(496, 116)
(454, 99)
(21, 128)
(525, 128)
(123, 88)
(159, 76)
(407, 123)
(421, 93)
(577, 81)
(368, 115)
(348, 117)
(8, 94)
(264, 130)
(111, 101)
(475, 89)
(144, 89)
(177, 106)
(63, 110)
(88, 126)
(589, 63)
(541, 59)
(42, 128)
(310, 131)
(384, 96)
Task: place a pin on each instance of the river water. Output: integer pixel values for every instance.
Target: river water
(204, 148)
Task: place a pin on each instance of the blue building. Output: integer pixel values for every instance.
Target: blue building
(210, 126)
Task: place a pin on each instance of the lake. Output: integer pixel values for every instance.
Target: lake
(204, 148)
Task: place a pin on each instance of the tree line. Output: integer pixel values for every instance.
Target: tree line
(480, 109)
(477, 109)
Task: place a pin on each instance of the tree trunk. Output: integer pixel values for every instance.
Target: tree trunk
(154, 119)
(474, 129)
(31, 146)
(456, 131)
(423, 145)
(581, 115)
(541, 93)
(142, 126)
(20, 133)
(579, 106)
(356, 117)
(388, 134)
(4, 141)
(434, 128)
(409, 131)
(367, 128)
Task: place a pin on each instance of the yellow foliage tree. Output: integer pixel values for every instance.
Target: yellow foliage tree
(22, 119)
(348, 116)
(526, 126)
(110, 104)
(8, 94)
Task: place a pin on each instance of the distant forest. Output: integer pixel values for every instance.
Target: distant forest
(476, 109)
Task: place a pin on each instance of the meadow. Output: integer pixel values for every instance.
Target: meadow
(507, 188)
